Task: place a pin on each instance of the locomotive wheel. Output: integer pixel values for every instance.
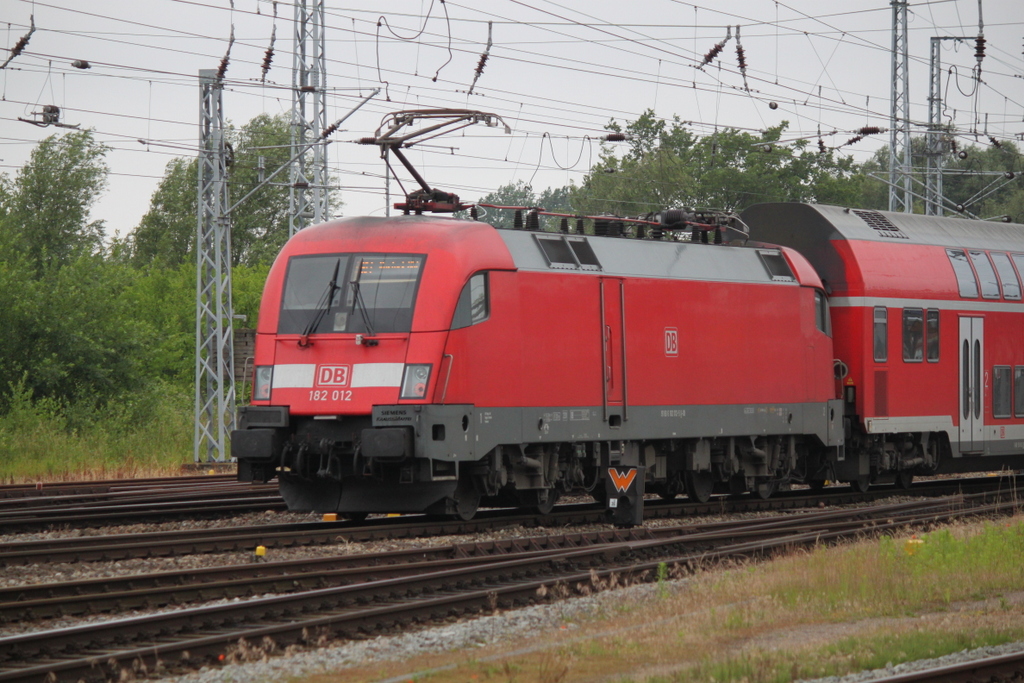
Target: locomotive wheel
(904, 479)
(861, 484)
(699, 486)
(467, 500)
(466, 505)
(531, 500)
(765, 490)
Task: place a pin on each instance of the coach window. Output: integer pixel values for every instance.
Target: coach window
(931, 334)
(474, 303)
(964, 273)
(881, 334)
(913, 335)
(989, 284)
(1007, 277)
(1001, 391)
(1018, 391)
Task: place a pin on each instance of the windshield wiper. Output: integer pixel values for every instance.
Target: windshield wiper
(362, 308)
(322, 307)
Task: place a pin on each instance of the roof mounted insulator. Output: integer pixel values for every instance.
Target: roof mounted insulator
(473, 213)
(601, 227)
(532, 221)
(719, 237)
(517, 221)
(579, 226)
(641, 231)
(563, 226)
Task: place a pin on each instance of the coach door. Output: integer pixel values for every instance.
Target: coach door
(613, 348)
(972, 388)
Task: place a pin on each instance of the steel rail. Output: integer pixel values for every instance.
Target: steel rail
(246, 538)
(147, 642)
(39, 601)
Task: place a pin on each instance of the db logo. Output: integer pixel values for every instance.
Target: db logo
(671, 341)
(621, 480)
(332, 376)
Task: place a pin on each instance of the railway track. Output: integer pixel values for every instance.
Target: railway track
(101, 486)
(376, 595)
(1008, 667)
(155, 590)
(246, 538)
(130, 502)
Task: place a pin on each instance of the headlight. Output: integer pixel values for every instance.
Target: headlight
(264, 377)
(415, 381)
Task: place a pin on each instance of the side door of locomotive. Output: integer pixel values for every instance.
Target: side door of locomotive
(972, 387)
(613, 345)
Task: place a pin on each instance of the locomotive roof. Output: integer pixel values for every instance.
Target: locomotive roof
(802, 225)
(686, 260)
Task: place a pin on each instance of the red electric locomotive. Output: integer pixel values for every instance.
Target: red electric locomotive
(928, 323)
(434, 364)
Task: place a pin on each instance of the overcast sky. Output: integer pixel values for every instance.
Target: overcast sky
(557, 73)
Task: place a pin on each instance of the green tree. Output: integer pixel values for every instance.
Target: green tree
(667, 165)
(259, 226)
(519, 193)
(44, 210)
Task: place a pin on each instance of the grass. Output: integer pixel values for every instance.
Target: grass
(817, 612)
(148, 434)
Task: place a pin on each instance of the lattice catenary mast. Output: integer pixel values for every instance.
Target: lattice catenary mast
(900, 170)
(308, 178)
(215, 377)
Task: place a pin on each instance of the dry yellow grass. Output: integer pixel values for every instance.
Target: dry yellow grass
(815, 612)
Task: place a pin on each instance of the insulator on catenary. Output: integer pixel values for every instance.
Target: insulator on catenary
(614, 137)
(821, 146)
(22, 42)
(223, 68)
(773, 105)
(995, 143)
(81, 64)
(741, 58)
(367, 141)
(979, 48)
(328, 130)
(869, 130)
(717, 49)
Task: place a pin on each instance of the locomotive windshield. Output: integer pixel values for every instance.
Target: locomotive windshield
(364, 293)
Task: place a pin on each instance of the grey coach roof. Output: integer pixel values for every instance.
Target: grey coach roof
(790, 223)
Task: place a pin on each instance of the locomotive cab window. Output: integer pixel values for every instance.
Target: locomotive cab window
(474, 303)
(880, 334)
(1001, 388)
(965, 279)
(913, 335)
(347, 293)
(821, 316)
